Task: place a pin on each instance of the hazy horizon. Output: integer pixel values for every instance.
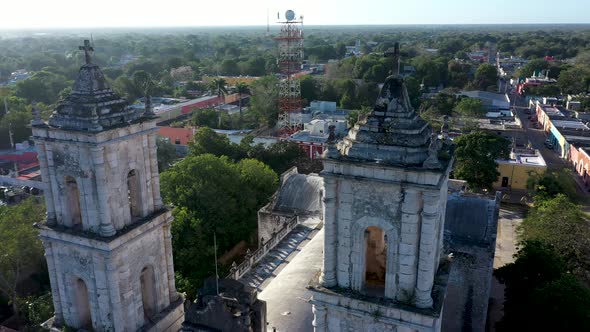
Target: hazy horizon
(68, 14)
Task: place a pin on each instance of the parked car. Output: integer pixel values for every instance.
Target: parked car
(548, 145)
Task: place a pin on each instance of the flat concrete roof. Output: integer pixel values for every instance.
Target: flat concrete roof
(305, 136)
(570, 124)
(528, 159)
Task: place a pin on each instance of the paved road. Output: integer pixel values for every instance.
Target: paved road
(287, 298)
(537, 137)
(554, 162)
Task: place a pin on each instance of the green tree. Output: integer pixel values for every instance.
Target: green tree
(22, 252)
(125, 87)
(533, 66)
(35, 310)
(476, 155)
(42, 87)
(459, 74)
(217, 85)
(19, 122)
(470, 107)
(574, 80)
(264, 101)
(309, 89)
(205, 118)
(486, 76)
(230, 67)
(538, 289)
(212, 195)
(166, 153)
(561, 224)
(207, 141)
(552, 183)
(144, 82)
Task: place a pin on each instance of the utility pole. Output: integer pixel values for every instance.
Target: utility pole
(216, 273)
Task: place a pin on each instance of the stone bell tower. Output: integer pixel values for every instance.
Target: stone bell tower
(107, 234)
(384, 207)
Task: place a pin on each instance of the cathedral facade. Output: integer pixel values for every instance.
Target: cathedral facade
(107, 234)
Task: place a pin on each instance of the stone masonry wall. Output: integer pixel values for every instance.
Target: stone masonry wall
(111, 272)
(100, 164)
(411, 217)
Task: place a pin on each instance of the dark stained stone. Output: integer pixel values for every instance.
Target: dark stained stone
(392, 133)
(92, 105)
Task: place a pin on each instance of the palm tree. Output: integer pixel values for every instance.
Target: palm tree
(218, 85)
(241, 88)
(143, 82)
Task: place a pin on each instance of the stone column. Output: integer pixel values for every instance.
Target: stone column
(103, 311)
(154, 169)
(49, 256)
(319, 318)
(428, 248)
(104, 212)
(328, 276)
(49, 203)
(169, 263)
(53, 184)
(408, 248)
(115, 293)
(147, 205)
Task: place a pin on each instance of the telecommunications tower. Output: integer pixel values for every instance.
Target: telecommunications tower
(290, 58)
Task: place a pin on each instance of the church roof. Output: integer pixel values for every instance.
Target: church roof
(92, 105)
(300, 193)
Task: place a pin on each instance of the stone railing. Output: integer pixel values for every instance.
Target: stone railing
(251, 259)
(8, 181)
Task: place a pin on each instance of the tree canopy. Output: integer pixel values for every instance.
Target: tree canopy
(211, 195)
(470, 107)
(22, 252)
(561, 224)
(476, 155)
(540, 295)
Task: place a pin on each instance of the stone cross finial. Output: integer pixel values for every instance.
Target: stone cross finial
(87, 48)
(395, 54)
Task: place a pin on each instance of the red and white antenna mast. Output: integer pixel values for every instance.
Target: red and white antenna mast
(290, 58)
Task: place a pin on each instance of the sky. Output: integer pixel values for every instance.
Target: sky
(25, 14)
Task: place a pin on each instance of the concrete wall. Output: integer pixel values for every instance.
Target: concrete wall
(517, 174)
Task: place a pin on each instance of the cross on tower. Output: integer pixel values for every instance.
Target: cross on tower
(395, 54)
(87, 49)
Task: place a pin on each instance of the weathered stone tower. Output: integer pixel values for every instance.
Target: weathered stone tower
(384, 208)
(107, 233)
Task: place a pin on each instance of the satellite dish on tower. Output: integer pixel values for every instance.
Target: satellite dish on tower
(290, 15)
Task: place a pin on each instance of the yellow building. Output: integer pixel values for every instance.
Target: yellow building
(515, 171)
